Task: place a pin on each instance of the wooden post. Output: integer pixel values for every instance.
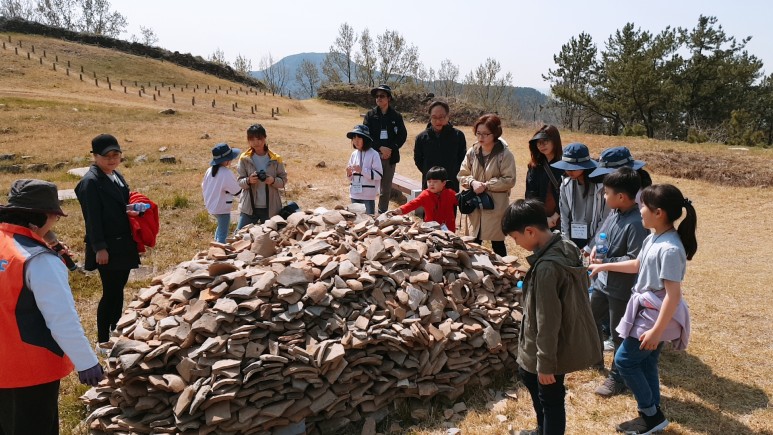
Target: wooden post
(56, 58)
(159, 92)
(124, 90)
(169, 88)
(96, 82)
(68, 64)
(272, 112)
(41, 60)
(216, 91)
(205, 91)
(252, 110)
(121, 82)
(226, 91)
(194, 90)
(54, 67)
(139, 93)
(33, 48)
(3, 45)
(44, 53)
(193, 101)
(82, 69)
(213, 102)
(68, 71)
(108, 79)
(172, 98)
(154, 97)
(16, 49)
(236, 105)
(28, 55)
(233, 108)
(81, 76)
(109, 86)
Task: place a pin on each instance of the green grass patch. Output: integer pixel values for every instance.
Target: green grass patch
(204, 222)
(178, 200)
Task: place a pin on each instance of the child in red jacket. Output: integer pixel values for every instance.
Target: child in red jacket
(438, 201)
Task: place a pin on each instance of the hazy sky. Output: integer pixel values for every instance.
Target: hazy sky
(522, 36)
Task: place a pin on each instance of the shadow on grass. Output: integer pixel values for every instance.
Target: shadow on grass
(701, 419)
(687, 372)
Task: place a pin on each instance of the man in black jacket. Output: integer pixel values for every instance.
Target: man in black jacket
(388, 131)
(440, 145)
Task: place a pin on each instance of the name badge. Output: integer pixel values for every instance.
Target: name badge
(579, 231)
(384, 134)
(356, 186)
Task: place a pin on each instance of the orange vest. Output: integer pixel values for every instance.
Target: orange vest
(29, 355)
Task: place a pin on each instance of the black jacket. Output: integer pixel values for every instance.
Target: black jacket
(393, 123)
(103, 204)
(538, 183)
(446, 149)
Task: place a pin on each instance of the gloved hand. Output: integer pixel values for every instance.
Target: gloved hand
(91, 376)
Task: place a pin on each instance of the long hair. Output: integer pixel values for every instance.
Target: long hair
(555, 138)
(670, 199)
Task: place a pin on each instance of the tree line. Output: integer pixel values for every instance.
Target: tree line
(366, 59)
(698, 84)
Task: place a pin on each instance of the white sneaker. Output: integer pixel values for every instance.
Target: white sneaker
(609, 345)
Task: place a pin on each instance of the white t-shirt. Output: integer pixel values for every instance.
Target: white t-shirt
(662, 257)
(219, 190)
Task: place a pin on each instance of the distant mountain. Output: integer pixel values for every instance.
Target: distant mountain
(525, 96)
(292, 63)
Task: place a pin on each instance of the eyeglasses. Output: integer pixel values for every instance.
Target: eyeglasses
(380, 96)
(438, 118)
(482, 135)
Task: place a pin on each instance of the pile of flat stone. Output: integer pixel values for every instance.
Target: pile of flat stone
(324, 319)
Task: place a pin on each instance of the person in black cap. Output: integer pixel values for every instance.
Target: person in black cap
(41, 337)
(103, 194)
(388, 131)
(542, 180)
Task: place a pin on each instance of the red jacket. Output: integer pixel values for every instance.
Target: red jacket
(437, 207)
(145, 227)
(29, 355)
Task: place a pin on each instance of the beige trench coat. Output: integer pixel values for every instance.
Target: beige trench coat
(499, 177)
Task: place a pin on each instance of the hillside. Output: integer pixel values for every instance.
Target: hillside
(722, 384)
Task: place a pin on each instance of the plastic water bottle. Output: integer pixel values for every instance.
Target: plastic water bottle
(602, 247)
(519, 285)
(138, 207)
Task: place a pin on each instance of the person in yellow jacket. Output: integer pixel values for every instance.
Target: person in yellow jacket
(261, 174)
(41, 337)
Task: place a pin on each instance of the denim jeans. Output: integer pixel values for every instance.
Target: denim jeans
(639, 370)
(370, 204)
(258, 216)
(223, 222)
(548, 402)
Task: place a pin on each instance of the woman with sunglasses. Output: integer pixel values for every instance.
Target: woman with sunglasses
(489, 167)
(388, 131)
(543, 181)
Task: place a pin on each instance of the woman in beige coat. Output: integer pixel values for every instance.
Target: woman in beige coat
(489, 167)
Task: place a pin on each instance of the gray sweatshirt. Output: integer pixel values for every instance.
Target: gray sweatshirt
(625, 234)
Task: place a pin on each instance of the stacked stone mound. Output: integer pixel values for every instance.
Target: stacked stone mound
(324, 318)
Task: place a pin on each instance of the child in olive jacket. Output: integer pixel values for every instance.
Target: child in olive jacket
(558, 335)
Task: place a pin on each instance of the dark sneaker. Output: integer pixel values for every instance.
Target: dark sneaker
(610, 388)
(537, 431)
(643, 425)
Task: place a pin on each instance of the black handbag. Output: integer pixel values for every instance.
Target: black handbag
(469, 201)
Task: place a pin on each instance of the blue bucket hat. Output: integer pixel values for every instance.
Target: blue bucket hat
(613, 158)
(383, 88)
(360, 130)
(576, 157)
(223, 153)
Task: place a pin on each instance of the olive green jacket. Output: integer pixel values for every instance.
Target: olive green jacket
(558, 334)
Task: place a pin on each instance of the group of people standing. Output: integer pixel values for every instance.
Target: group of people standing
(570, 199)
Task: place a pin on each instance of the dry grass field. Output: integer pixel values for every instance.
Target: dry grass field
(722, 384)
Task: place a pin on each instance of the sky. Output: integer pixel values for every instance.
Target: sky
(521, 36)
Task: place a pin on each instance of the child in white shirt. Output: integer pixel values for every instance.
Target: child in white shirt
(219, 187)
(364, 169)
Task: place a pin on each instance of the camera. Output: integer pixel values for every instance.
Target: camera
(262, 175)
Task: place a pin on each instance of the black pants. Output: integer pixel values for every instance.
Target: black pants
(30, 410)
(111, 305)
(497, 246)
(548, 402)
(608, 310)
